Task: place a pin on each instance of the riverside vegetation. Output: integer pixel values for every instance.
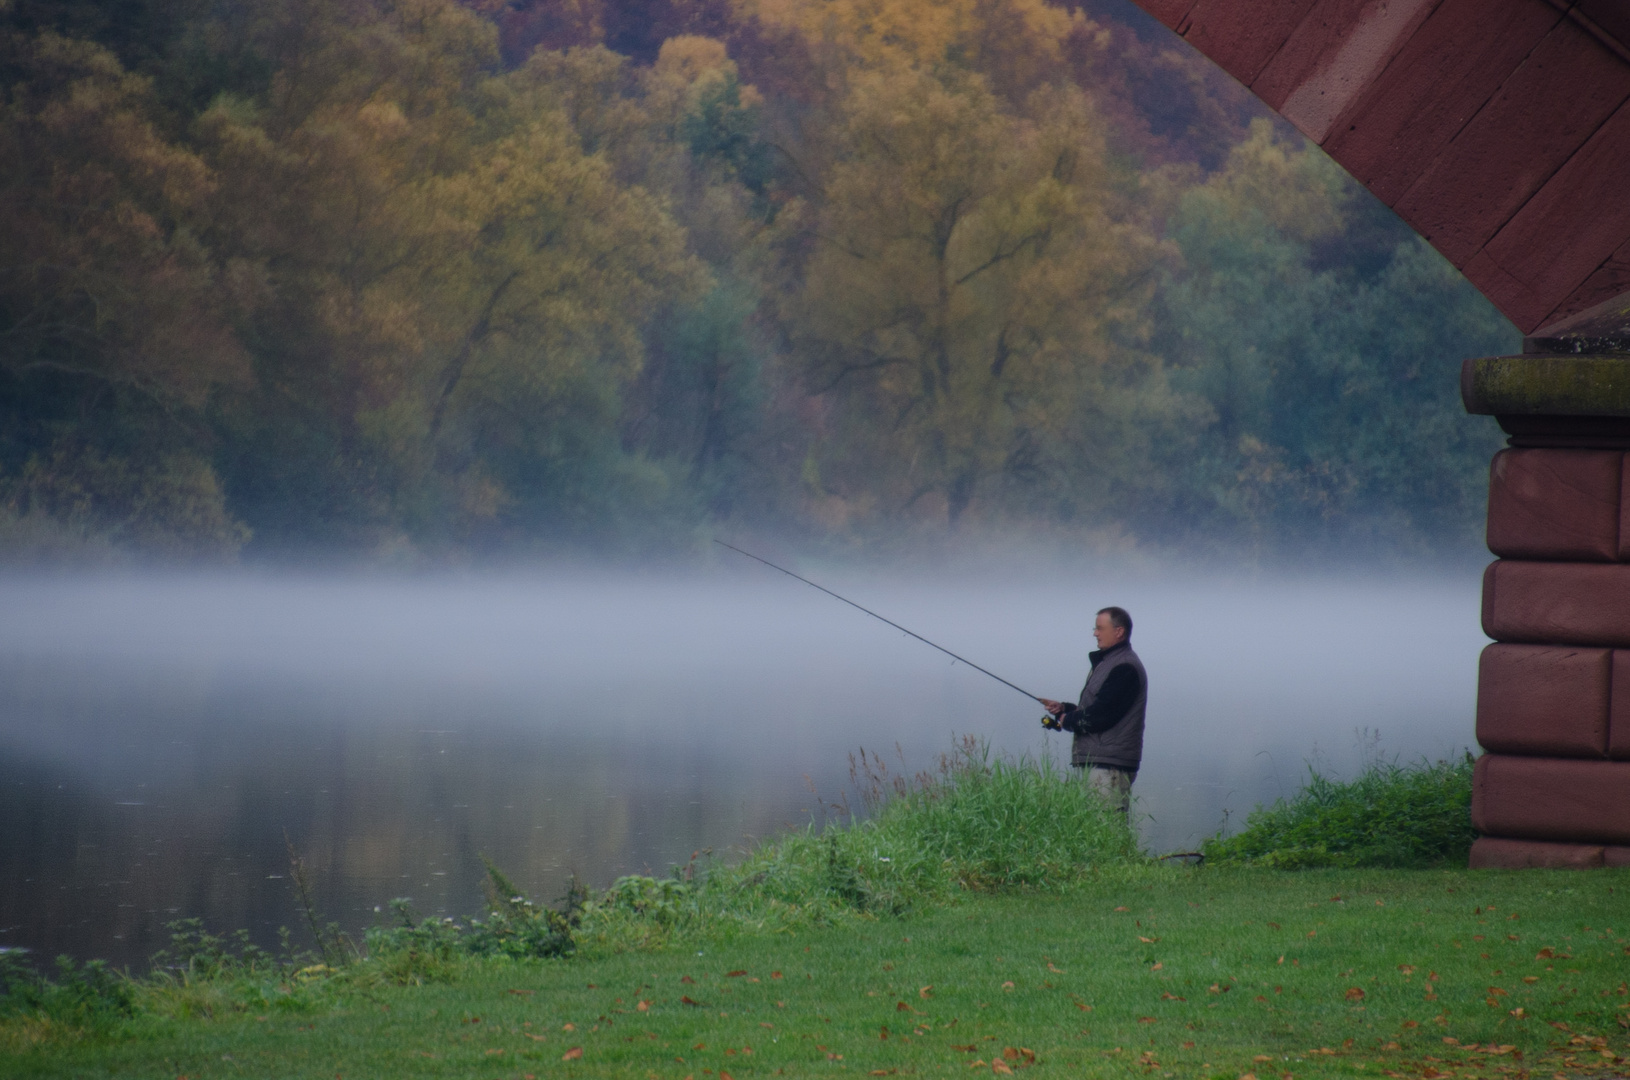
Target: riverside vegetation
(989, 916)
(438, 279)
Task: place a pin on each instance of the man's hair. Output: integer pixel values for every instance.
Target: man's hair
(1118, 617)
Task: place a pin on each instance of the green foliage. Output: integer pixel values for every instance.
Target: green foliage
(976, 823)
(80, 995)
(1322, 336)
(514, 926)
(1387, 816)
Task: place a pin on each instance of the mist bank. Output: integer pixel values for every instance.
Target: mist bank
(417, 281)
(159, 735)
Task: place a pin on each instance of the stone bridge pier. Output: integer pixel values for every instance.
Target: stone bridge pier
(1500, 131)
(1553, 691)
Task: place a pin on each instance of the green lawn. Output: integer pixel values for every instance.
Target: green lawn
(1191, 973)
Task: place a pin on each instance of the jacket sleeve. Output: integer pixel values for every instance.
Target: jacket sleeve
(1108, 706)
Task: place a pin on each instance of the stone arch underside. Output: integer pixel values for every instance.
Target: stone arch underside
(1498, 129)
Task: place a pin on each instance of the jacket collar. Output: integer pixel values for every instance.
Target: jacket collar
(1098, 654)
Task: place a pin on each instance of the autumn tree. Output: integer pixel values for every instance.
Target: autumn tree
(115, 323)
(971, 286)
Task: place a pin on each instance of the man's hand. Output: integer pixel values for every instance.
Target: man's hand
(1054, 707)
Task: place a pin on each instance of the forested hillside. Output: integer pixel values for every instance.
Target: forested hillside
(439, 280)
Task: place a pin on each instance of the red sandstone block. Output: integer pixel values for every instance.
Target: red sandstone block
(1241, 36)
(1170, 12)
(1580, 802)
(1624, 478)
(1555, 504)
(1542, 114)
(1572, 224)
(1613, 856)
(1446, 72)
(1500, 853)
(1557, 603)
(1618, 712)
(1544, 700)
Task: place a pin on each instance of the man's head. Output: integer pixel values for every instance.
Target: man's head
(1112, 627)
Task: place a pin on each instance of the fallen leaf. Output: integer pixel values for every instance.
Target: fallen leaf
(1007, 986)
(1157, 967)
(1355, 993)
(573, 1054)
(1123, 909)
(703, 1046)
(1312, 933)
(735, 974)
(928, 991)
(644, 1006)
(1054, 970)
(1172, 997)
(999, 1068)
(1273, 925)
(1146, 1019)
(1262, 1057)
(535, 1038)
(686, 979)
(724, 1075)
(775, 974)
(523, 993)
(1147, 940)
(688, 1000)
(1406, 969)
(563, 1027)
(966, 1049)
(1188, 1045)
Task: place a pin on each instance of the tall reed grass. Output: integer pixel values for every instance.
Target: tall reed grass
(976, 821)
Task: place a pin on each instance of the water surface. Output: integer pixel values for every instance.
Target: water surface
(162, 739)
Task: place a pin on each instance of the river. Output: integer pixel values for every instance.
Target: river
(164, 738)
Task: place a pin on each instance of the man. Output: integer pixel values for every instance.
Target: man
(1108, 721)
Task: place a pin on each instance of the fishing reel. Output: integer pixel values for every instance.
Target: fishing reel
(1051, 722)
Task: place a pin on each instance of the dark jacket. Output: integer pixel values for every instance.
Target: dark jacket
(1108, 723)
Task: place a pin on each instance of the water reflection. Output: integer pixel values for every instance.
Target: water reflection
(159, 738)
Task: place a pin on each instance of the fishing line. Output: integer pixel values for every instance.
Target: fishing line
(880, 618)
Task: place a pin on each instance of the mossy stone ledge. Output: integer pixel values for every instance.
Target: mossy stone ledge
(1569, 389)
(1539, 385)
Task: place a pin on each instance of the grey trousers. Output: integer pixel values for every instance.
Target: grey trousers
(1114, 786)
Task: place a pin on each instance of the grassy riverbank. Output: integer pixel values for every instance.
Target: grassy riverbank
(1197, 973)
(991, 917)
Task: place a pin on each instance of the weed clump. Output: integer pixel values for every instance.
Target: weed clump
(1389, 816)
(80, 996)
(977, 822)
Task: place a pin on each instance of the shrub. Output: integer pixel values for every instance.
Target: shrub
(1387, 816)
(79, 996)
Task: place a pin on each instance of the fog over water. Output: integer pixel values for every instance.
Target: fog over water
(160, 735)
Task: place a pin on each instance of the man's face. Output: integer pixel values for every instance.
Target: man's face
(1106, 633)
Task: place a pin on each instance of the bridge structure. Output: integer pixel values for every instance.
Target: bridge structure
(1500, 131)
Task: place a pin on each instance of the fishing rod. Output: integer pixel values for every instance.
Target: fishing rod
(880, 618)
